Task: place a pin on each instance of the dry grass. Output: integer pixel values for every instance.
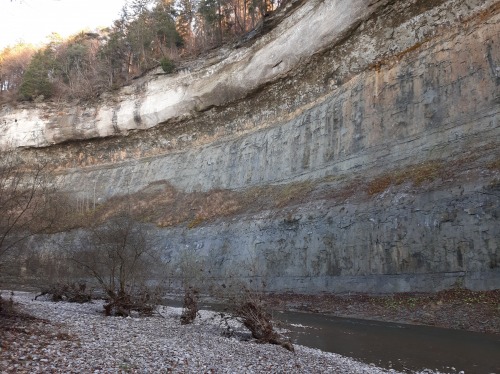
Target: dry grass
(195, 222)
(292, 193)
(494, 165)
(415, 174)
(164, 205)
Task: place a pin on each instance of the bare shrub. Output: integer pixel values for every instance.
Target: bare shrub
(26, 209)
(191, 268)
(121, 257)
(53, 266)
(73, 293)
(245, 300)
(190, 308)
(7, 307)
(248, 306)
(143, 301)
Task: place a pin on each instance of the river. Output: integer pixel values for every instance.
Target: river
(398, 346)
(393, 345)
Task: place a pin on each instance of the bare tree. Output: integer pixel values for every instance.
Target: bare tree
(24, 203)
(121, 256)
(191, 267)
(24, 208)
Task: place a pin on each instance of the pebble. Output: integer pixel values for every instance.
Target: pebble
(157, 344)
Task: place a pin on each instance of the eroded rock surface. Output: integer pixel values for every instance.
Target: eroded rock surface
(354, 147)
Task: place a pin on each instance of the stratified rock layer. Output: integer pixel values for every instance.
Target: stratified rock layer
(375, 127)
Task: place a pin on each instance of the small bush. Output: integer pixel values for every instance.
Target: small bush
(7, 306)
(36, 81)
(167, 65)
(122, 258)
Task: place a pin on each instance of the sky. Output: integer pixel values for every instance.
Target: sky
(31, 21)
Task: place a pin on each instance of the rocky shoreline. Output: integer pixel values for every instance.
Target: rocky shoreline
(456, 308)
(74, 338)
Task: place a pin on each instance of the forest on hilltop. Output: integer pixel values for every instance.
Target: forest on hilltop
(148, 33)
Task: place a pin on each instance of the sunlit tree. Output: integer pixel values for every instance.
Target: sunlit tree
(13, 64)
(184, 20)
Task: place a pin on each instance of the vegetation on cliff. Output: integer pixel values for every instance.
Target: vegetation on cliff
(149, 33)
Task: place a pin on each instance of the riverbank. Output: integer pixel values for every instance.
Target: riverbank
(75, 338)
(456, 308)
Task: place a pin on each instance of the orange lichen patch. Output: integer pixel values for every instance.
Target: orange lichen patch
(377, 66)
(415, 174)
(484, 15)
(494, 165)
(379, 185)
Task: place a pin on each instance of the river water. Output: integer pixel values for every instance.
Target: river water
(399, 346)
(402, 347)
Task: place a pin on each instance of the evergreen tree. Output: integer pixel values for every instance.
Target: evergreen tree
(185, 18)
(211, 18)
(37, 78)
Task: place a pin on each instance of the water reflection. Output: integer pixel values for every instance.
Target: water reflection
(402, 347)
(398, 346)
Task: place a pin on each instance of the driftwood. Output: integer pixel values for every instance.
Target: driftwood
(122, 305)
(73, 293)
(254, 318)
(190, 308)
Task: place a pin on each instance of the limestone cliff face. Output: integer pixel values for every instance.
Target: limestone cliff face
(228, 76)
(353, 147)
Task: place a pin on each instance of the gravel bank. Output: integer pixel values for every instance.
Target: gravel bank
(77, 338)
